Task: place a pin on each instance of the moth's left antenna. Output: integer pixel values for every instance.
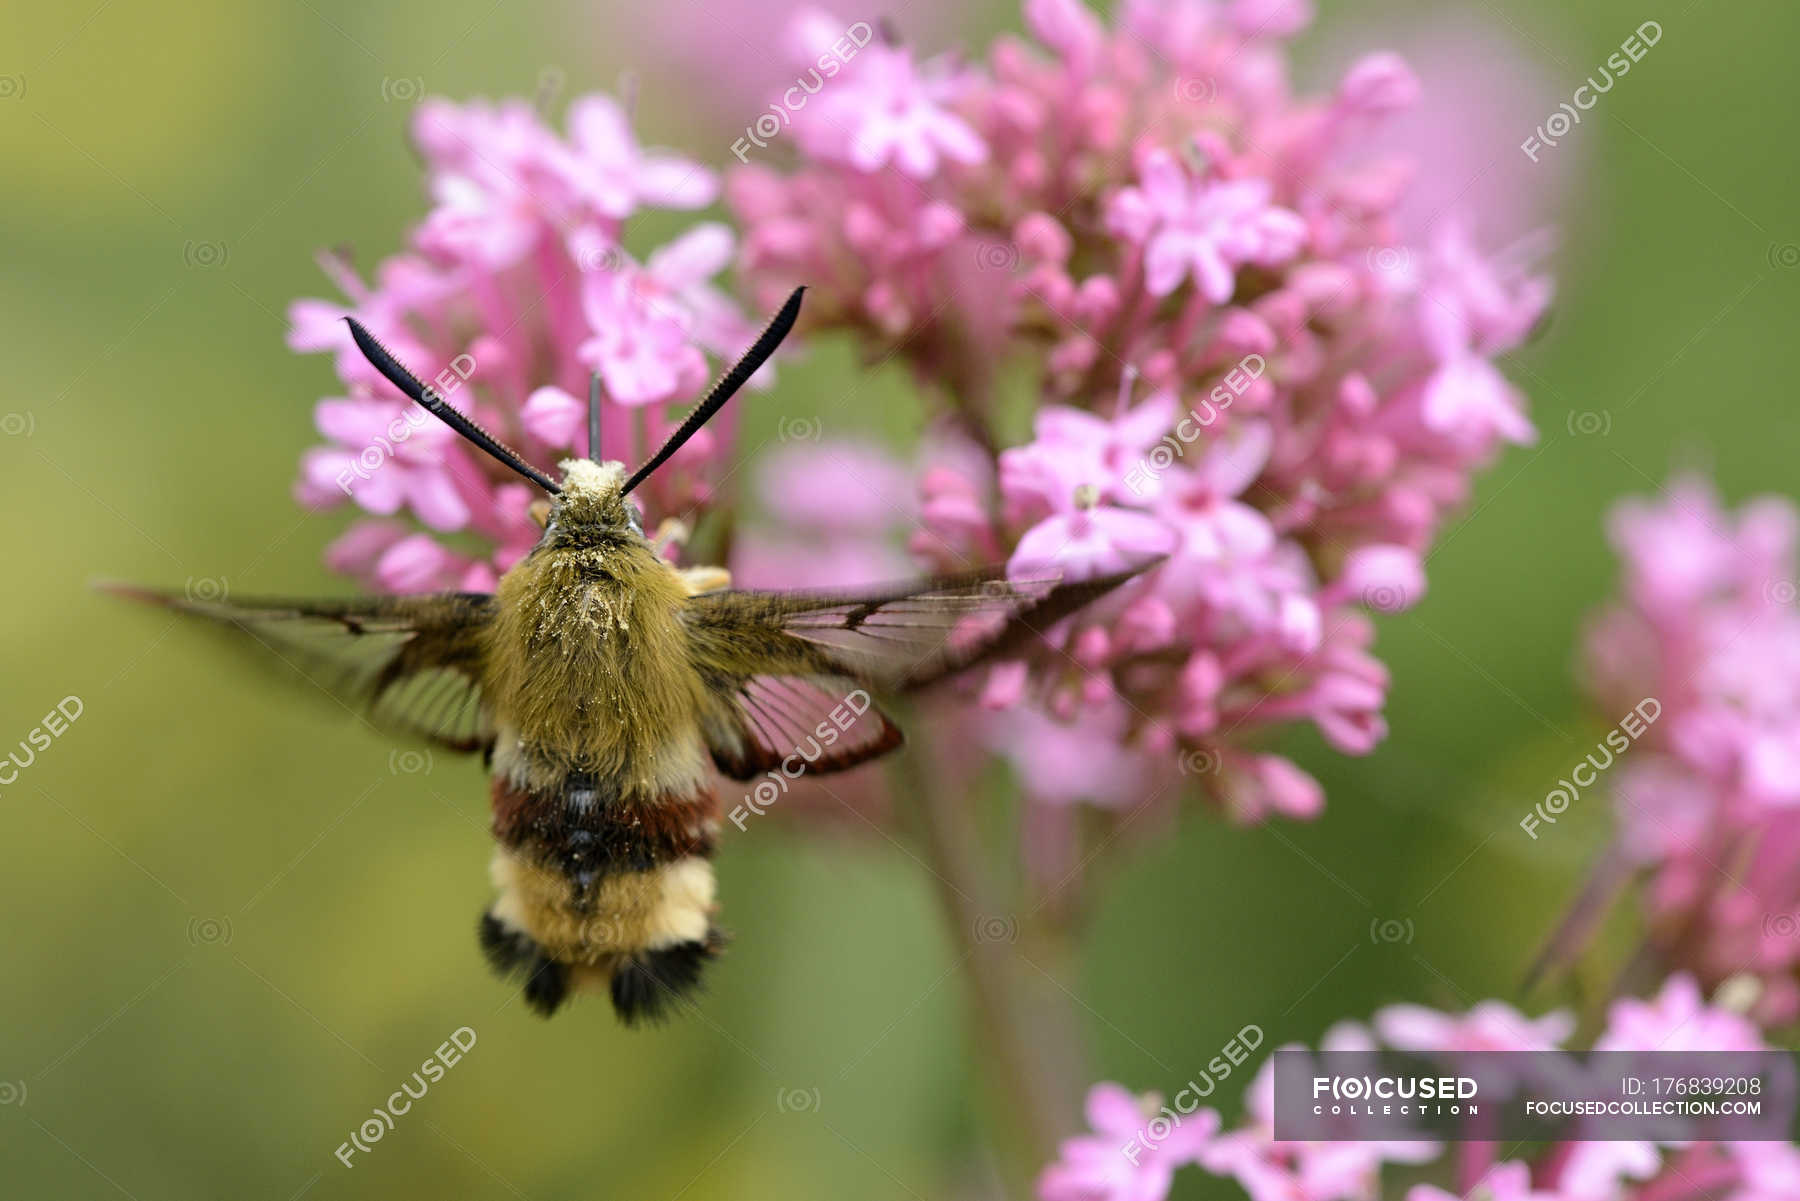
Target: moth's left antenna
(438, 407)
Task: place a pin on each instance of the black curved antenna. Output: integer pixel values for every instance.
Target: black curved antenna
(390, 367)
(726, 388)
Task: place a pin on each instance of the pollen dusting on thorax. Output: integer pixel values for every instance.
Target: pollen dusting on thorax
(586, 478)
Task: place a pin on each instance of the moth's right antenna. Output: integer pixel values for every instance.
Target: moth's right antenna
(726, 388)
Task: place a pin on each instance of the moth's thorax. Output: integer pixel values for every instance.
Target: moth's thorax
(589, 666)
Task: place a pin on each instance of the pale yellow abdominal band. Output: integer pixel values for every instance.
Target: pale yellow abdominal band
(630, 911)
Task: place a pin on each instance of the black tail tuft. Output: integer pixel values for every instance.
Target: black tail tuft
(646, 984)
(512, 953)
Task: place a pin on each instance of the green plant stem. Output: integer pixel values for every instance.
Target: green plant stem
(1027, 1038)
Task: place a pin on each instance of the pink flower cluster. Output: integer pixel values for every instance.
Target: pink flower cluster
(512, 291)
(1136, 1149)
(1709, 801)
(1241, 360)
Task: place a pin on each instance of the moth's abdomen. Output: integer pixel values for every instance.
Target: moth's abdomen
(602, 890)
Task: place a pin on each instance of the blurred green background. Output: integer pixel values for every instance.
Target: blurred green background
(234, 928)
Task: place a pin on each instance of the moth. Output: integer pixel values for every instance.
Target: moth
(607, 690)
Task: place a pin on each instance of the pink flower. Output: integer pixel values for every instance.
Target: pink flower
(1678, 550)
(1709, 630)
(1677, 1019)
(640, 348)
(1387, 578)
(1121, 1161)
(1503, 1182)
(889, 110)
(827, 514)
(1490, 1026)
(1312, 416)
(1089, 542)
(1347, 1170)
(699, 39)
(1606, 1171)
(1270, 786)
(1062, 765)
(513, 288)
(1076, 449)
(616, 176)
(1189, 226)
(555, 418)
(1767, 1171)
(1305, 1171)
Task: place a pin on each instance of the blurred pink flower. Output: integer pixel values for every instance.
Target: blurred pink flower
(726, 46)
(1489, 1026)
(1708, 800)
(1125, 1159)
(1148, 205)
(825, 514)
(1094, 1168)
(888, 110)
(1188, 226)
(1304, 1171)
(1676, 1019)
(1503, 1182)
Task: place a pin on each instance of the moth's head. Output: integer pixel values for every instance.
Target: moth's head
(592, 504)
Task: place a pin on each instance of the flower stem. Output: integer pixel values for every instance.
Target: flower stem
(1025, 1045)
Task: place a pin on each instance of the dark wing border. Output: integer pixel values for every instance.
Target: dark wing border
(409, 664)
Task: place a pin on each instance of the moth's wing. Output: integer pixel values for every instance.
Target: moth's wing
(788, 669)
(410, 664)
(826, 722)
